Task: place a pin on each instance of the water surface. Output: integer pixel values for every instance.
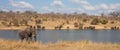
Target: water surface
(105, 36)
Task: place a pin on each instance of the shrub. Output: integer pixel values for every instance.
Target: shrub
(75, 24)
(67, 22)
(95, 21)
(68, 27)
(84, 20)
(38, 21)
(24, 22)
(4, 23)
(104, 22)
(9, 24)
(112, 22)
(44, 19)
(15, 22)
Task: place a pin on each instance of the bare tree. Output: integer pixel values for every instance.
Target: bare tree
(115, 14)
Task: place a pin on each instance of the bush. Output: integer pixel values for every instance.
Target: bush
(4, 23)
(67, 22)
(38, 21)
(84, 20)
(44, 19)
(75, 24)
(112, 22)
(15, 22)
(104, 22)
(95, 21)
(24, 22)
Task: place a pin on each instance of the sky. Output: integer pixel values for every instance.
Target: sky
(61, 6)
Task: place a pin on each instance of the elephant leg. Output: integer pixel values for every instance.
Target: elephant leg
(30, 38)
(26, 38)
(21, 39)
(35, 38)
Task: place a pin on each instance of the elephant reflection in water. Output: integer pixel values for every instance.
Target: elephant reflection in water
(28, 34)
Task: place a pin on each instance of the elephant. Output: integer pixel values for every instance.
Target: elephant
(28, 34)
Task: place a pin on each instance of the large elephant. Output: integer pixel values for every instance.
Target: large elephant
(28, 34)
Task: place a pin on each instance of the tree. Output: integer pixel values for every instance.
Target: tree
(95, 21)
(4, 23)
(38, 21)
(15, 22)
(76, 24)
(115, 14)
(112, 22)
(104, 21)
(84, 20)
(24, 22)
(102, 15)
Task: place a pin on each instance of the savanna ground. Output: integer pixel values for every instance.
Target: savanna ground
(82, 45)
(17, 20)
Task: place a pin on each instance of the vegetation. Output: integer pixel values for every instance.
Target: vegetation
(38, 21)
(112, 22)
(51, 20)
(104, 21)
(75, 24)
(24, 22)
(84, 20)
(83, 45)
(95, 21)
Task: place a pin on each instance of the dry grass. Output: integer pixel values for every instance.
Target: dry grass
(83, 45)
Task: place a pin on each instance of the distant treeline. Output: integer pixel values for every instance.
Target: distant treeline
(34, 13)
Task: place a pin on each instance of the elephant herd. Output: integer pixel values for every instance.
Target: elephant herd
(29, 34)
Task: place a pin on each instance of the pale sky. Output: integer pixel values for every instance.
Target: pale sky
(61, 6)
